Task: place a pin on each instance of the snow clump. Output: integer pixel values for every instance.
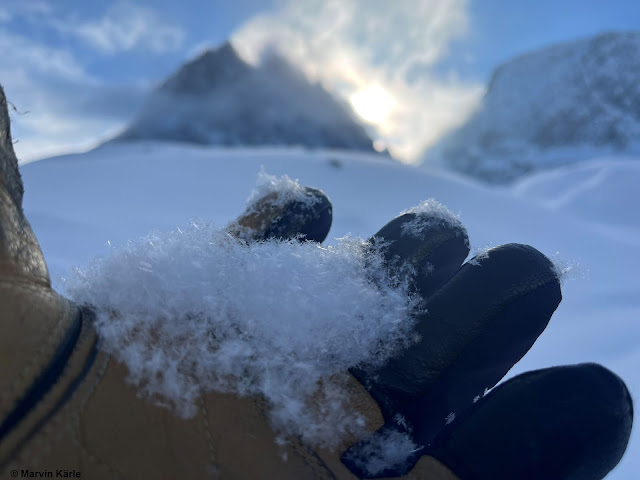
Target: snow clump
(283, 189)
(387, 449)
(196, 310)
(430, 213)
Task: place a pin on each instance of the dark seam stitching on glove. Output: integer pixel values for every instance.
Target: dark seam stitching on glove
(66, 396)
(45, 381)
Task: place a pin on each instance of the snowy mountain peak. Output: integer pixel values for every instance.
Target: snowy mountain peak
(556, 106)
(210, 70)
(218, 99)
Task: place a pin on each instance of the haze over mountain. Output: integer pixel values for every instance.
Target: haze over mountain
(556, 106)
(218, 99)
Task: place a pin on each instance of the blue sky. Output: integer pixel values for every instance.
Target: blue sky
(78, 71)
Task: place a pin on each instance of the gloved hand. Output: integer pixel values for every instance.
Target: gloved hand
(66, 404)
(482, 317)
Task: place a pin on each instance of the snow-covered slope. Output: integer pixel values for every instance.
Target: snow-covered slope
(120, 192)
(219, 99)
(598, 192)
(552, 107)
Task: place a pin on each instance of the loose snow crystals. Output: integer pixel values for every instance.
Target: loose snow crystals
(427, 214)
(479, 255)
(287, 190)
(387, 449)
(198, 310)
(567, 269)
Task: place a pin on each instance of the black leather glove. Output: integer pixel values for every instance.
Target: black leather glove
(481, 318)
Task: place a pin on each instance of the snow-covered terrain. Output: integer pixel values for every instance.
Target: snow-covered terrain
(552, 107)
(585, 217)
(218, 99)
(599, 192)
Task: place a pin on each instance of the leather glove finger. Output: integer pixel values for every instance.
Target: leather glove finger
(479, 322)
(555, 423)
(306, 215)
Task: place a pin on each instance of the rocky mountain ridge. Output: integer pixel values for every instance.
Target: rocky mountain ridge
(556, 106)
(218, 99)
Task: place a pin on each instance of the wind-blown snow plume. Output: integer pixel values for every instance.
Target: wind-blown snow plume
(378, 56)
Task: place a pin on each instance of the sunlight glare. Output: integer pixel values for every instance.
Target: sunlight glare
(373, 104)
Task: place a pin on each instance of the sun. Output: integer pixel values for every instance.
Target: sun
(373, 104)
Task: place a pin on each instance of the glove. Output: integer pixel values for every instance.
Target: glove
(66, 404)
(482, 317)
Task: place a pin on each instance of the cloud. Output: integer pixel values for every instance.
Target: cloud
(377, 55)
(19, 54)
(62, 116)
(126, 26)
(46, 133)
(59, 106)
(30, 10)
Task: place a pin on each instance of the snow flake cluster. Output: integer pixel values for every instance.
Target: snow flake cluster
(427, 214)
(386, 449)
(196, 310)
(287, 190)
